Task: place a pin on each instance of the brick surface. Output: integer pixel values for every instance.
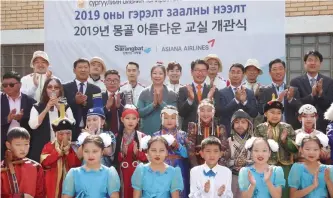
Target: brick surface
(22, 14)
(26, 14)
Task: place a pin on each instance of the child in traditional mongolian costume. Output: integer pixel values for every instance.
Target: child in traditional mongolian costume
(93, 179)
(329, 131)
(311, 179)
(128, 148)
(58, 156)
(282, 133)
(308, 116)
(241, 131)
(177, 142)
(95, 123)
(20, 176)
(204, 128)
(156, 179)
(261, 180)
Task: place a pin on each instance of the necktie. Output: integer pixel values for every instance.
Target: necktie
(114, 118)
(80, 110)
(278, 88)
(81, 88)
(210, 173)
(313, 81)
(234, 89)
(199, 93)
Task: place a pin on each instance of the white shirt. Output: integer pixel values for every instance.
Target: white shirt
(219, 82)
(127, 87)
(174, 87)
(53, 115)
(233, 88)
(84, 85)
(29, 88)
(99, 83)
(198, 180)
(196, 90)
(196, 87)
(14, 104)
(309, 77)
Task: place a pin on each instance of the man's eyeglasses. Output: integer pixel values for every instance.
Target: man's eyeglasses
(5, 85)
(112, 81)
(200, 70)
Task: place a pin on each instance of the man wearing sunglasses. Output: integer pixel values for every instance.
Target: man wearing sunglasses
(15, 106)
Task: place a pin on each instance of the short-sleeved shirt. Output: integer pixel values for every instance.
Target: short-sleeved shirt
(261, 189)
(100, 183)
(156, 184)
(300, 178)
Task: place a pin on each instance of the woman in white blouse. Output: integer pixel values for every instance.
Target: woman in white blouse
(43, 114)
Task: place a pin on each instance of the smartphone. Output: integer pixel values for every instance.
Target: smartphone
(53, 95)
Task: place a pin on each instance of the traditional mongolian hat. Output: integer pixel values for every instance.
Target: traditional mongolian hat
(273, 104)
(97, 106)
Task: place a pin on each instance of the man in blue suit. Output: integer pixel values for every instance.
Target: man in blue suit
(236, 97)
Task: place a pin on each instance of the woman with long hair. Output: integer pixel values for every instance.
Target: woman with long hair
(43, 114)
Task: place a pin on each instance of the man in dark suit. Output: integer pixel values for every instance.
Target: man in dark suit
(190, 96)
(113, 101)
(79, 94)
(288, 96)
(315, 88)
(236, 97)
(15, 106)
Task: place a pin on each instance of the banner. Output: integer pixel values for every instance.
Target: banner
(147, 31)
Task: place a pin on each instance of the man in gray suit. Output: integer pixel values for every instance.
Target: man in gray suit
(190, 96)
(315, 88)
(288, 96)
(236, 97)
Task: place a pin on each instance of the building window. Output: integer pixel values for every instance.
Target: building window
(17, 58)
(298, 45)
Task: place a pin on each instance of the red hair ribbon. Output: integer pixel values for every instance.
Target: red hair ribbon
(130, 111)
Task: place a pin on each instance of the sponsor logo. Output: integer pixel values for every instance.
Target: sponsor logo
(147, 50)
(185, 48)
(202, 47)
(130, 50)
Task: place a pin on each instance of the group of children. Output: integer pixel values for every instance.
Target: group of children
(202, 162)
